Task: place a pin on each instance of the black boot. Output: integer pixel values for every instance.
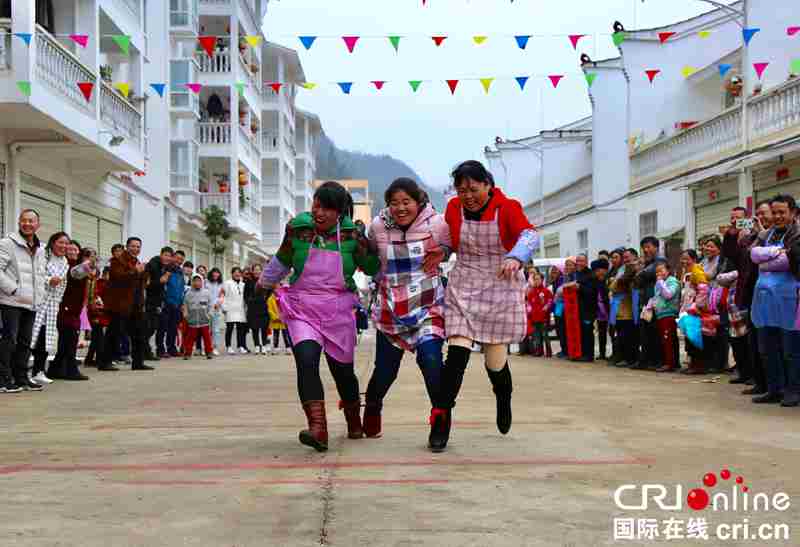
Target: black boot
(440, 429)
(453, 374)
(502, 387)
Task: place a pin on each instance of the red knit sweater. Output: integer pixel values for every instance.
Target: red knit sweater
(510, 217)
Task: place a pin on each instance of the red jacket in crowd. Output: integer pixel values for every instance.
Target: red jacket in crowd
(540, 303)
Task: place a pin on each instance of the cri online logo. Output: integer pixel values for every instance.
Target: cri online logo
(738, 498)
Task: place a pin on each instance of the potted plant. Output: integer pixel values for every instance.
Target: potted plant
(734, 86)
(106, 73)
(243, 179)
(224, 187)
(243, 199)
(218, 229)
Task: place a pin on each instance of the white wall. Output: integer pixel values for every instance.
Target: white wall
(772, 44)
(671, 207)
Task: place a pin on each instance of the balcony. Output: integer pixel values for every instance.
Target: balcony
(59, 69)
(771, 117)
(184, 18)
(223, 201)
(218, 63)
(269, 142)
(214, 133)
(250, 145)
(118, 113)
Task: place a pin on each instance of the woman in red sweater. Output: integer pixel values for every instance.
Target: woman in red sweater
(540, 302)
(485, 299)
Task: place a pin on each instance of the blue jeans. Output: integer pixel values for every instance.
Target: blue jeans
(387, 365)
(167, 333)
(780, 352)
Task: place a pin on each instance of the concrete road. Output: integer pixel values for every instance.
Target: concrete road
(205, 453)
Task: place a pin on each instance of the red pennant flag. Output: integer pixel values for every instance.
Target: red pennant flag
(554, 79)
(651, 74)
(378, 84)
(760, 68)
(350, 42)
(574, 38)
(664, 36)
(438, 40)
(452, 84)
(276, 87)
(86, 88)
(208, 43)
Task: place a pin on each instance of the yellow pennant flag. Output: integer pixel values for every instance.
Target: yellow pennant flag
(123, 88)
(688, 71)
(480, 39)
(704, 33)
(308, 85)
(486, 83)
(253, 40)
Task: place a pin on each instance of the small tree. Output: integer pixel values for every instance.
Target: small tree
(218, 229)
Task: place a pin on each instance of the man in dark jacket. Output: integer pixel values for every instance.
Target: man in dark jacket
(158, 273)
(588, 292)
(650, 357)
(171, 310)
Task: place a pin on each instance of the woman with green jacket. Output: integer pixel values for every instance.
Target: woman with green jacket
(323, 249)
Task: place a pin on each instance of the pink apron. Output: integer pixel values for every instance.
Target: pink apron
(319, 307)
(478, 305)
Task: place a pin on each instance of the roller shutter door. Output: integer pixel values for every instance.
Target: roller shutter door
(552, 251)
(767, 185)
(47, 200)
(110, 234)
(708, 218)
(98, 224)
(791, 188)
(85, 231)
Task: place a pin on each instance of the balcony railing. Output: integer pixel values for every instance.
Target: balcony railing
(214, 133)
(118, 113)
(255, 83)
(223, 201)
(60, 70)
(269, 141)
(5, 44)
(249, 141)
(769, 115)
(184, 181)
(218, 63)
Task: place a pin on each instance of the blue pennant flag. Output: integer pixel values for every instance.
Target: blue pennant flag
(522, 80)
(723, 69)
(159, 88)
(522, 41)
(748, 34)
(346, 86)
(307, 41)
(26, 36)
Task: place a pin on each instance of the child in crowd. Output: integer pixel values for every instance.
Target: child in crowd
(278, 327)
(197, 313)
(540, 303)
(666, 304)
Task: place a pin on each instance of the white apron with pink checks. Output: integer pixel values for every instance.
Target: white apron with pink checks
(478, 305)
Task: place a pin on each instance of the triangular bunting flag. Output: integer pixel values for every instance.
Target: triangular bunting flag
(704, 33)
(346, 87)
(159, 88)
(486, 83)
(723, 69)
(80, 39)
(574, 39)
(664, 36)
(350, 42)
(522, 80)
(308, 85)
(123, 42)
(522, 41)
(590, 78)
(276, 87)
(194, 88)
(794, 67)
(86, 88)
(307, 41)
(438, 40)
(618, 37)
(760, 68)
(554, 79)
(452, 84)
(688, 71)
(378, 84)
(415, 84)
(253, 40)
(395, 41)
(123, 88)
(791, 31)
(748, 33)
(651, 74)
(479, 39)
(239, 88)
(26, 37)
(24, 88)
(208, 43)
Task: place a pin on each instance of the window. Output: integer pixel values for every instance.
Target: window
(648, 224)
(583, 241)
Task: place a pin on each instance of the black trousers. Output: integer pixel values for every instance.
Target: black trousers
(135, 328)
(742, 356)
(63, 363)
(650, 344)
(587, 340)
(260, 335)
(602, 335)
(307, 356)
(627, 340)
(15, 342)
(759, 373)
(276, 338)
(96, 344)
(241, 334)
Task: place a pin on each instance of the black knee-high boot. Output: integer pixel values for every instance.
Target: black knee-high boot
(502, 387)
(452, 378)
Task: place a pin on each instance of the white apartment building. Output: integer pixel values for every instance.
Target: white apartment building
(147, 165)
(670, 158)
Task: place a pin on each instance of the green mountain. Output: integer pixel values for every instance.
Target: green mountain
(380, 171)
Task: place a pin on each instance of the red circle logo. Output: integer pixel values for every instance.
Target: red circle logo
(697, 499)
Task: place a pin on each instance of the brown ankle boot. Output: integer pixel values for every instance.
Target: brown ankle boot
(372, 420)
(352, 413)
(316, 436)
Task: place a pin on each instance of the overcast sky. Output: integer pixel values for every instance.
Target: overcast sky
(432, 130)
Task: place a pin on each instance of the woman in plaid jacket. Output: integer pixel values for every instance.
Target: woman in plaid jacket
(409, 236)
